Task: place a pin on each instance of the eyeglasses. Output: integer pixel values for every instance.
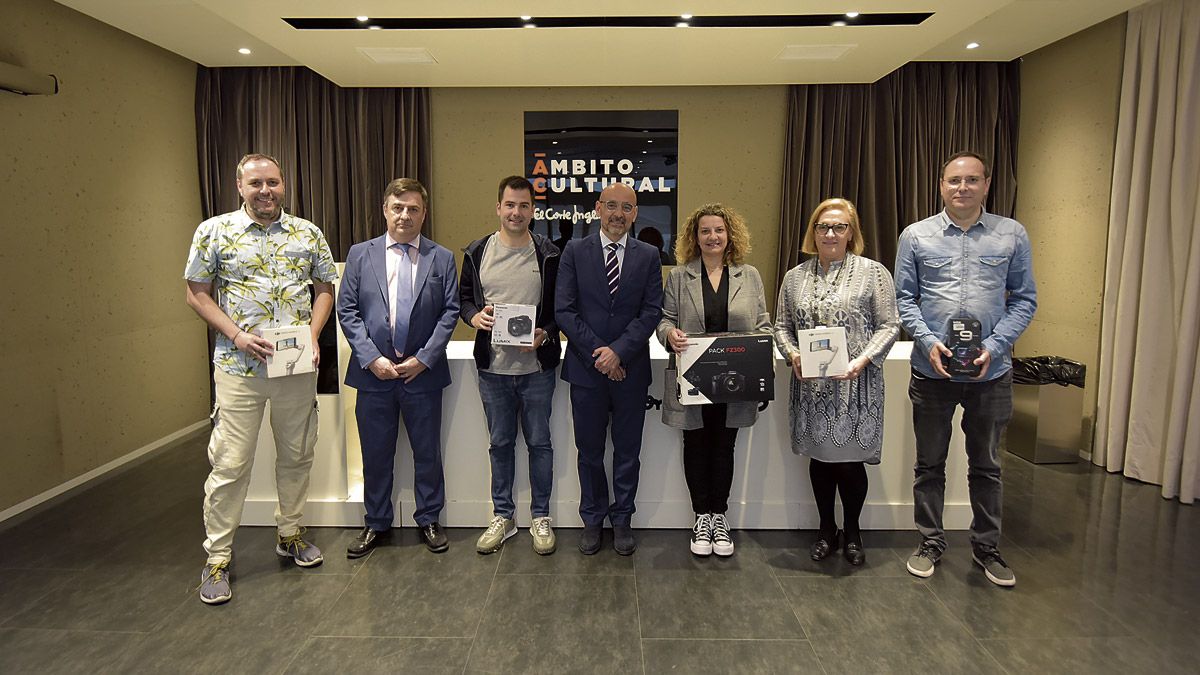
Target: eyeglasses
(624, 206)
(840, 228)
(971, 181)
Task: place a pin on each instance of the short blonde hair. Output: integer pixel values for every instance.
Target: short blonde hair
(687, 248)
(856, 245)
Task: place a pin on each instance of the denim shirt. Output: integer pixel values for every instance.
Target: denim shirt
(985, 273)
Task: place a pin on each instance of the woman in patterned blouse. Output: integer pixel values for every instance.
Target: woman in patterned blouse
(838, 421)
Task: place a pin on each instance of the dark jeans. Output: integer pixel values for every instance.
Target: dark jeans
(507, 399)
(987, 407)
(708, 460)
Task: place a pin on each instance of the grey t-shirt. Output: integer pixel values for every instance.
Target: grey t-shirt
(512, 276)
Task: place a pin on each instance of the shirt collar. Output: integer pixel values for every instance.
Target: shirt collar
(621, 243)
(247, 222)
(946, 222)
(415, 243)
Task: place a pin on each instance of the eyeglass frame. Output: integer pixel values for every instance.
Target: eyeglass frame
(625, 207)
(824, 228)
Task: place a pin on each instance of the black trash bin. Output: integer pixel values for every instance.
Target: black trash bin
(1047, 422)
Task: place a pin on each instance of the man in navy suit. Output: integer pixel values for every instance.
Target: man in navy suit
(608, 303)
(397, 307)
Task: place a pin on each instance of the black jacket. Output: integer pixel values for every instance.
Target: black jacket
(471, 301)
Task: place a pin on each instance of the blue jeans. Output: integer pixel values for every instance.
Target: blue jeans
(507, 398)
(987, 408)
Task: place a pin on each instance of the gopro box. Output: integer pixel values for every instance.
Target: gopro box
(727, 367)
(514, 324)
(823, 351)
(293, 350)
(965, 345)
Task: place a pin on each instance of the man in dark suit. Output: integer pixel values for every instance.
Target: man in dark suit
(608, 303)
(397, 307)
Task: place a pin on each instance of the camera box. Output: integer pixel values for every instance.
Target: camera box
(514, 324)
(965, 345)
(727, 367)
(823, 351)
(293, 350)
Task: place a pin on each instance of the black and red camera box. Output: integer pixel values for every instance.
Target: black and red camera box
(727, 367)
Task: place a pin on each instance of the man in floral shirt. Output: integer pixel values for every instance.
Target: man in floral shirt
(248, 270)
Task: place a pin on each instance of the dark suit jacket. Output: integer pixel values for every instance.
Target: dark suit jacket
(591, 317)
(362, 308)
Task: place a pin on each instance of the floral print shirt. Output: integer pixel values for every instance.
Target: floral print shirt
(260, 276)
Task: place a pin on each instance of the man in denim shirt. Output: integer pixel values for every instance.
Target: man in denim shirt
(960, 265)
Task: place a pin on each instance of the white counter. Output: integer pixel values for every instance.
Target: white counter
(770, 483)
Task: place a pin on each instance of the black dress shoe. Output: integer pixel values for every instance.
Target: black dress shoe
(854, 554)
(433, 537)
(589, 540)
(366, 541)
(623, 541)
(823, 546)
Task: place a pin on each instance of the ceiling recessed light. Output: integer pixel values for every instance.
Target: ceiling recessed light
(681, 24)
(363, 19)
(526, 18)
(644, 152)
(685, 17)
(838, 23)
(650, 141)
(553, 142)
(243, 50)
(531, 25)
(375, 27)
(852, 15)
(972, 45)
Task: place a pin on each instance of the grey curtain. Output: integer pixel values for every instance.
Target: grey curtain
(880, 146)
(339, 147)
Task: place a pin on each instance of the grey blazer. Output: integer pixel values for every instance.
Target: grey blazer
(683, 308)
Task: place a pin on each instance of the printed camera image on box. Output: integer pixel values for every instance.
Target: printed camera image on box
(514, 324)
(293, 350)
(727, 367)
(823, 351)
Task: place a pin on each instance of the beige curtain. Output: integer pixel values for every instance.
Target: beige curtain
(1148, 422)
(339, 147)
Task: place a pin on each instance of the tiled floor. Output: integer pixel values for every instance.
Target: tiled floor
(105, 582)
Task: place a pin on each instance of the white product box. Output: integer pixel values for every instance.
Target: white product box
(293, 350)
(514, 324)
(823, 351)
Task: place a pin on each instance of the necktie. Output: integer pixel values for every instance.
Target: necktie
(404, 299)
(612, 269)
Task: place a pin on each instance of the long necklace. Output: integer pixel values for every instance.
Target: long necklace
(822, 289)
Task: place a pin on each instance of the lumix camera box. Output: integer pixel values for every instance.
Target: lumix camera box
(514, 324)
(727, 367)
(965, 345)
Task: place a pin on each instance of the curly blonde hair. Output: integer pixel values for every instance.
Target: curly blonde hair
(687, 248)
(856, 245)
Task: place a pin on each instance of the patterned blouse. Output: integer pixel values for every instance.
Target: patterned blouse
(839, 420)
(261, 276)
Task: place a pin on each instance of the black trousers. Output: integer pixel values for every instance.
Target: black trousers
(708, 460)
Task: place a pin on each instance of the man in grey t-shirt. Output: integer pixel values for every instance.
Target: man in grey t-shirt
(514, 266)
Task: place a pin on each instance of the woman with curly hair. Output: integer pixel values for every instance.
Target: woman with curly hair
(712, 290)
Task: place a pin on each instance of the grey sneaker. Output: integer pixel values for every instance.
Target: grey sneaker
(301, 552)
(497, 531)
(214, 584)
(702, 543)
(722, 543)
(544, 542)
(994, 567)
(921, 562)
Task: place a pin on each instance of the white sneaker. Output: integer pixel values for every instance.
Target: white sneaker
(544, 542)
(722, 543)
(702, 543)
(499, 530)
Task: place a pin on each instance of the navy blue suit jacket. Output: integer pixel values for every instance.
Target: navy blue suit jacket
(591, 317)
(362, 309)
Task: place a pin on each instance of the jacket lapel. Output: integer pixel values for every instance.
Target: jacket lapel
(694, 289)
(735, 281)
(425, 262)
(377, 256)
